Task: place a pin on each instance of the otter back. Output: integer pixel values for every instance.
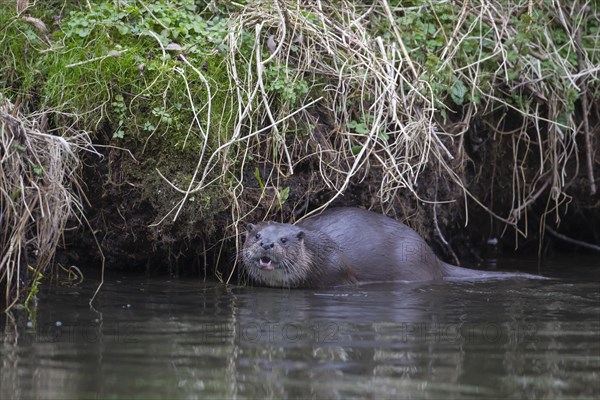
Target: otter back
(378, 248)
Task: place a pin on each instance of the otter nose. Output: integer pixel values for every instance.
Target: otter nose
(267, 246)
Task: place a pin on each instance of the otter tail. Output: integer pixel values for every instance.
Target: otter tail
(453, 272)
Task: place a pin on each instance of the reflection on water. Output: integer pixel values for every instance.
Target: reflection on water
(185, 339)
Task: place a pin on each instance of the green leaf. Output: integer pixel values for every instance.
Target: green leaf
(358, 127)
(148, 126)
(284, 194)
(458, 91)
(362, 129)
(563, 119)
(119, 134)
(258, 179)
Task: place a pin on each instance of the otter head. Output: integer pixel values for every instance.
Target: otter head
(274, 254)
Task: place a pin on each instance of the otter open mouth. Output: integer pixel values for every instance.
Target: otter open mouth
(265, 263)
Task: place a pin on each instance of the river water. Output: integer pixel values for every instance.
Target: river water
(147, 338)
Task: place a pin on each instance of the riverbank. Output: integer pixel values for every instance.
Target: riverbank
(470, 122)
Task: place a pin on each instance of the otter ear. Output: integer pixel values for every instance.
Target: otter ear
(300, 235)
(250, 227)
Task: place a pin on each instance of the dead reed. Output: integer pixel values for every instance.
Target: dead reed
(39, 194)
(399, 109)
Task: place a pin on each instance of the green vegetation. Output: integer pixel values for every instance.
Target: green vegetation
(201, 103)
(124, 65)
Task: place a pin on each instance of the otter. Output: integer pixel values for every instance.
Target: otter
(344, 246)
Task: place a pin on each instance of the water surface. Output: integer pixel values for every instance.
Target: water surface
(147, 338)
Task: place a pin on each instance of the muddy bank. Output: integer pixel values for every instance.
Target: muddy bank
(202, 118)
(128, 211)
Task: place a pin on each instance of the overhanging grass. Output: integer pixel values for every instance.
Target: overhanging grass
(403, 85)
(389, 88)
(39, 193)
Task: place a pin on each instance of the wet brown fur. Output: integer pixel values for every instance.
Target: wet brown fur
(306, 259)
(344, 246)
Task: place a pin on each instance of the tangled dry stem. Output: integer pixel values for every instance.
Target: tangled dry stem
(39, 194)
(377, 79)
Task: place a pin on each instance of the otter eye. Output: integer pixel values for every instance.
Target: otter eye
(257, 236)
(283, 240)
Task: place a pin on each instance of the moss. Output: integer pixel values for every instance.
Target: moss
(20, 68)
(111, 68)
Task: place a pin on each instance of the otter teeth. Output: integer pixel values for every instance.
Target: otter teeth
(265, 263)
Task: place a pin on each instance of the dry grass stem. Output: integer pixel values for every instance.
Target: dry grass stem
(39, 194)
(377, 82)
